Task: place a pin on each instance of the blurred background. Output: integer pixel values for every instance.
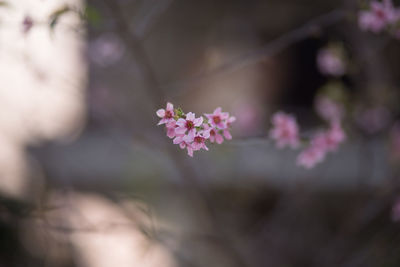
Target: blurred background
(89, 180)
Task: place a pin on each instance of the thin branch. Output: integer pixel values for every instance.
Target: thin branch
(138, 53)
(188, 175)
(272, 48)
(145, 25)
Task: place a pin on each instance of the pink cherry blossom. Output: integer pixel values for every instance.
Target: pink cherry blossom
(226, 132)
(331, 139)
(218, 118)
(328, 109)
(167, 114)
(330, 63)
(335, 136)
(188, 147)
(285, 130)
(320, 144)
(198, 140)
(216, 137)
(380, 15)
(311, 156)
(181, 141)
(170, 127)
(192, 133)
(189, 124)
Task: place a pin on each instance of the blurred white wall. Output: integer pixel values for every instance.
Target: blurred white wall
(43, 76)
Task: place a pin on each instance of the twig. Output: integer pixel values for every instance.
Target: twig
(144, 26)
(187, 174)
(272, 48)
(138, 53)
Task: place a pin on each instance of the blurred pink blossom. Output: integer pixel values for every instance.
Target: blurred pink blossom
(215, 134)
(170, 126)
(166, 115)
(248, 117)
(285, 130)
(226, 132)
(106, 50)
(330, 139)
(379, 15)
(311, 156)
(328, 109)
(373, 120)
(216, 137)
(320, 145)
(330, 62)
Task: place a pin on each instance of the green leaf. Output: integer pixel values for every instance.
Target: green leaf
(92, 16)
(179, 113)
(54, 17)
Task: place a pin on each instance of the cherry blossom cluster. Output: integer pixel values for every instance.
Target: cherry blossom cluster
(379, 17)
(321, 143)
(192, 133)
(285, 132)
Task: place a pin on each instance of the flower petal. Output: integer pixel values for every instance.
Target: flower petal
(170, 107)
(219, 138)
(190, 116)
(160, 113)
(180, 130)
(198, 122)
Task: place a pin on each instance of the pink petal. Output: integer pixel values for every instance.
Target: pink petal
(219, 138)
(162, 121)
(171, 132)
(180, 130)
(181, 122)
(217, 111)
(231, 119)
(206, 134)
(160, 113)
(224, 115)
(198, 122)
(190, 116)
(212, 138)
(190, 151)
(177, 140)
(227, 135)
(188, 138)
(170, 107)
